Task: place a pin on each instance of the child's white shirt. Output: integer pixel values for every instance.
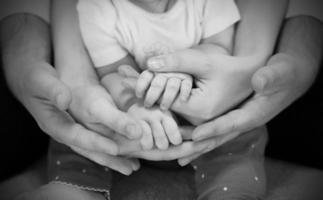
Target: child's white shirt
(111, 29)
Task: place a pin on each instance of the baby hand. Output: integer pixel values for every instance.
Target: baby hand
(165, 87)
(158, 126)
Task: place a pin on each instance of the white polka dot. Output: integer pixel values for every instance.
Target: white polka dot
(256, 178)
(194, 167)
(84, 170)
(106, 169)
(57, 177)
(230, 154)
(58, 162)
(253, 146)
(225, 189)
(203, 176)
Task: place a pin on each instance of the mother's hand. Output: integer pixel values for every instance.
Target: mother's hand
(47, 98)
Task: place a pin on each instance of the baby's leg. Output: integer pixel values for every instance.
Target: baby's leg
(234, 171)
(57, 191)
(73, 176)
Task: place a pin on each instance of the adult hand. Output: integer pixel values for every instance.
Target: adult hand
(276, 86)
(25, 52)
(47, 98)
(221, 81)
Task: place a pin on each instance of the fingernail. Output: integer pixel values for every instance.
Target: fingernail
(126, 172)
(183, 162)
(155, 63)
(135, 166)
(262, 83)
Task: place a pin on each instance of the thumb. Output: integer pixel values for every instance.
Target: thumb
(45, 84)
(191, 61)
(272, 77)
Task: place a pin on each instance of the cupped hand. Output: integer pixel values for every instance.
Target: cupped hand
(47, 99)
(276, 86)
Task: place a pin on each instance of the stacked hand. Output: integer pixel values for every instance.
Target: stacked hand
(46, 97)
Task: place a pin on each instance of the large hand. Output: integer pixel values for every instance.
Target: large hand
(276, 86)
(47, 98)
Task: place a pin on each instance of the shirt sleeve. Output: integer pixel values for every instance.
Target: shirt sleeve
(36, 7)
(98, 27)
(218, 15)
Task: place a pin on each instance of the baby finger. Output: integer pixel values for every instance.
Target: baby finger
(143, 83)
(154, 92)
(186, 88)
(172, 130)
(171, 91)
(146, 140)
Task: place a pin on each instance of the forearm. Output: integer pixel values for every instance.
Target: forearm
(258, 30)
(25, 41)
(302, 43)
(71, 58)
